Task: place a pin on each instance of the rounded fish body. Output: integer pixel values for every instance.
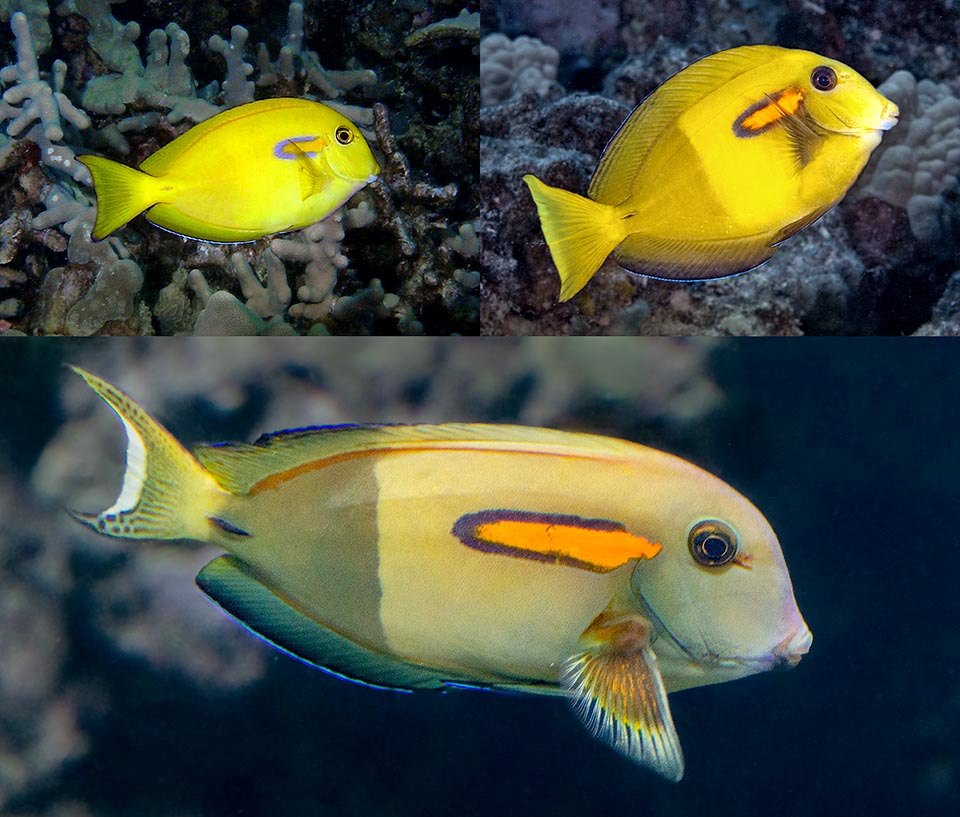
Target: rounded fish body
(262, 168)
(479, 555)
(512, 617)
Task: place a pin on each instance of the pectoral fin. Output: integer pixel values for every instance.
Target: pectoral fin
(619, 693)
(312, 178)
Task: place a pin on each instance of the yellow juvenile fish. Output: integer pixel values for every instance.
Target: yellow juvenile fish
(417, 557)
(715, 168)
(257, 169)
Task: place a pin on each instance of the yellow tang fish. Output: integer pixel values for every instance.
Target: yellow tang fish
(250, 171)
(488, 556)
(715, 168)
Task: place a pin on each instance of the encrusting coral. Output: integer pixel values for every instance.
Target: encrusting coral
(513, 67)
(918, 169)
(401, 275)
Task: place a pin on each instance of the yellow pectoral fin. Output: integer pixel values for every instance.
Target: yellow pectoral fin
(619, 693)
(313, 180)
(598, 545)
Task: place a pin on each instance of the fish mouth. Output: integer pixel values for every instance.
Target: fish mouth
(889, 117)
(785, 655)
(788, 652)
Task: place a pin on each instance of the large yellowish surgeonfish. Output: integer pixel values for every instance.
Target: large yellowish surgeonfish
(498, 557)
(254, 170)
(726, 159)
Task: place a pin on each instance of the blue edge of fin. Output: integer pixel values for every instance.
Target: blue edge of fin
(230, 584)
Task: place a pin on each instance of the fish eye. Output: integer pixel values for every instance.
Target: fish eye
(823, 78)
(344, 135)
(712, 543)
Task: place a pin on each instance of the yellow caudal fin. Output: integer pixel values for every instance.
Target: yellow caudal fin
(580, 232)
(122, 193)
(166, 493)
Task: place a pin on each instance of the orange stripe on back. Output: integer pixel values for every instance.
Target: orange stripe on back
(274, 481)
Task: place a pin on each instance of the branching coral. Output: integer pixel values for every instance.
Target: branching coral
(464, 26)
(294, 62)
(162, 82)
(36, 108)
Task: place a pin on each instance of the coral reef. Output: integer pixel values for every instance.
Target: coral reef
(40, 708)
(37, 109)
(401, 276)
(512, 67)
(563, 25)
(859, 270)
(918, 168)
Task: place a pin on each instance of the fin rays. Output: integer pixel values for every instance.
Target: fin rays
(166, 493)
(619, 695)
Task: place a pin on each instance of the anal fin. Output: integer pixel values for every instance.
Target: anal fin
(234, 587)
(686, 260)
(619, 692)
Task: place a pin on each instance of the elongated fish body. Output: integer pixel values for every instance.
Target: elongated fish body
(254, 170)
(721, 163)
(488, 556)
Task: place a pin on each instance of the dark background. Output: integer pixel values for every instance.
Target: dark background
(849, 447)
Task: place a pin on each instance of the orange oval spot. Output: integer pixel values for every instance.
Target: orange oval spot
(598, 545)
(771, 109)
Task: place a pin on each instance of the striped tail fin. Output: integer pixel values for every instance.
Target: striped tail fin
(166, 493)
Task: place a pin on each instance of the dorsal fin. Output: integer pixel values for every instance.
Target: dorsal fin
(237, 467)
(614, 178)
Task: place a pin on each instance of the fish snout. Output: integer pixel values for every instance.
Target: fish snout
(890, 116)
(787, 653)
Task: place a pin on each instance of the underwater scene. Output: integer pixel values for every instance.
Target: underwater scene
(798, 520)
(638, 155)
(299, 167)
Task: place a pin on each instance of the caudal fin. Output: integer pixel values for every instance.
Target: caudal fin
(580, 232)
(122, 193)
(166, 493)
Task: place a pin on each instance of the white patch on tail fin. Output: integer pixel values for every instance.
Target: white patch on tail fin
(135, 473)
(166, 493)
